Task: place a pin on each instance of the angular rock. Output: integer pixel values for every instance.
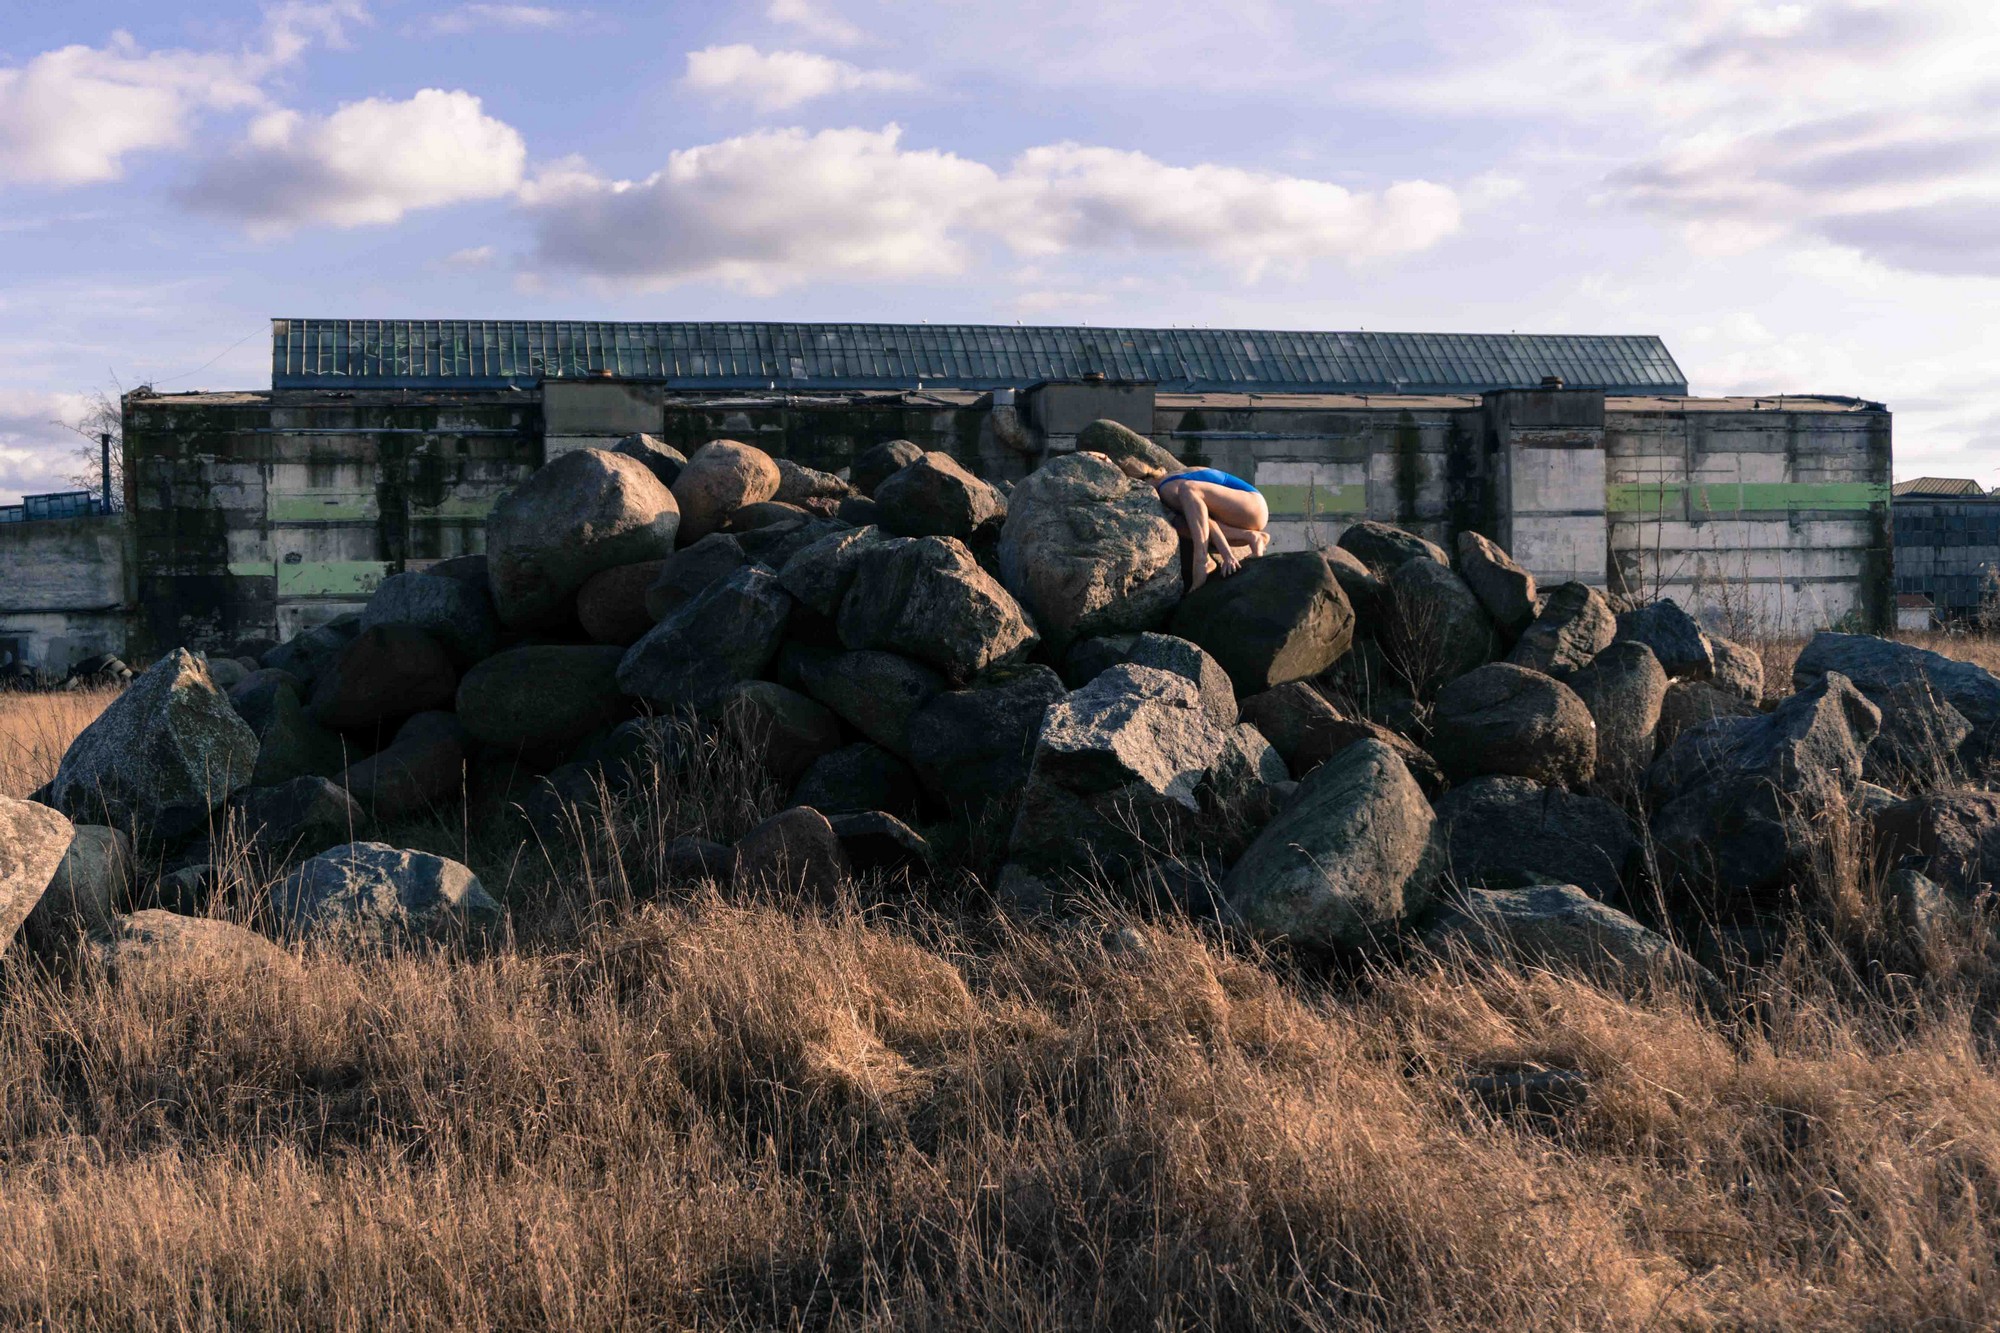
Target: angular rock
(661, 459)
(877, 464)
(690, 572)
(1088, 551)
(927, 598)
(1870, 800)
(1688, 704)
(1300, 722)
(876, 840)
(775, 544)
(95, 881)
(721, 478)
(693, 860)
(1681, 645)
(1090, 657)
(933, 496)
(254, 696)
(858, 777)
(1366, 592)
(466, 568)
(1574, 625)
(1119, 442)
(307, 654)
(544, 698)
(423, 768)
(300, 818)
(787, 730)
(820, 574)
(800, 485)
(1738, 670)
(227, 673)
(1559, 925)
(878, 694)
(169, 944)
(1436, 630)
(1386, 549)
(1736, 804)
(457, 613)
(1623, 687)
(1348, 862)
(611, 605)
(1281, 618)
(793, 849)
(1953, 836)
(371, 895)
(1921, 737)
(160, 759)
(292, 745)
(388, 672)
(1505, 719)
(1875, 665)
(767, 514)
(584, 511)
(1501, 833)
(728, 634)
(34, 842)
(1353, 730)
(1506, 590)
(976, 745)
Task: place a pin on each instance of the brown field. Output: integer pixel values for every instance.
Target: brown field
(719, 1110)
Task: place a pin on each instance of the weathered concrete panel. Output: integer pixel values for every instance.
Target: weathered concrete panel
(62, 590)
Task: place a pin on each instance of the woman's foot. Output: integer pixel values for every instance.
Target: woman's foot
(1260, 542)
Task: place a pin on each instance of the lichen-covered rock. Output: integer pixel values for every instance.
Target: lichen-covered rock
(168, 944)
(34, 840)
(876, 464)
(371, 895)
(611, 605)
(1623, 687)
(793, 849)
(1506, 590)
(927, 598)
(689, 572)
(934, 497)
(1299, 721)
(820, 573)
(878, 694)
(1116, 441)
(661, 459)
(858, 777)
(161, 758)
(1090, 657)
(722, 477)
(1088, 551)
(726, 635)
(976, 745)
(1559, 925)
(1876, 665)
(584, 511)
(387, 673)
(1347, 863)
(1737, 668)
(457, 613)
(92, 885)
(1436, 629)
(543, 698)
(1677, 641)
(1503, 833)
(1280, 618)
(1574, 625)
(1505, 719)
(1385, 548)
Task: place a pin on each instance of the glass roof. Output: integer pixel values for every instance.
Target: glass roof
(332, 353)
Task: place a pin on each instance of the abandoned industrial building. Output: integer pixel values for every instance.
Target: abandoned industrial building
(381, 445)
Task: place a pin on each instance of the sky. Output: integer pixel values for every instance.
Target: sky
(1799, 197)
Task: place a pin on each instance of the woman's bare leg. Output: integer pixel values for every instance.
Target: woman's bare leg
(1256, 539)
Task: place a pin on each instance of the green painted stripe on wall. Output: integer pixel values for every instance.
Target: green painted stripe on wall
(1738, 497)
(1307, 501)
(331, 578)
(321, 508)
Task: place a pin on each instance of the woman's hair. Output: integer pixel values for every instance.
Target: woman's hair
(1139, 469)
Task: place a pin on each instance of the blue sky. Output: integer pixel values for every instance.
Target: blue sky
(1799, 197)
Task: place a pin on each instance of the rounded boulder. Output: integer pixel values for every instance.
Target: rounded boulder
(1506, 720)
(721, 478)
(545, 697)
(586, 511)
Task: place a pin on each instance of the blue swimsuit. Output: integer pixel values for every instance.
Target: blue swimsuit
(1213, 476)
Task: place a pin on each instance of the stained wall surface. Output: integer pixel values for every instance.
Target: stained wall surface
(63, 590)
(1949, 549)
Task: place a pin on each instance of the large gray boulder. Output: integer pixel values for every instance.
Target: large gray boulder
(722, 477)
(92, 885)
(457, 613)
(1436, 629)
(1300, 722)
(857, 777)
(1676, 639)
(1089, 657)
(1348, 862)
(1366, 592)
(299, 818)
(1505, 832)
(306, 654)
(1739, 668)
(877, 463)
(661, 459)
(976, 745)
(1575, 624)
(1738, 804)
(584, 511)
(1279, 618)
(809, 488)
(878, 694)
(927, 598)
(544, 698)
(820, 573)
(161, 758)
(422, 769)
(1921, 739)
(1386, 548)
(1556, 925)
(1117, 441)
(786, 730)
(371, 895)
(1623, 687)
(387, 673)
(611, 604)
(1089, 551)
(795, 849)
(34, 840)
(1876, 665)
(1505, 719)
(691, 571)
(1954, 835)
(1688, 704)
(726, 635)
(157, 943)
(289, 743)
(934, 497)
(1506, 590)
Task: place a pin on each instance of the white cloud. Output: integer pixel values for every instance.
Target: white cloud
(504, 18)
(777, 208)
(477, 256)
(368, 163)
(775, 80)
(72, 116)
(813, 18)
(37, 454)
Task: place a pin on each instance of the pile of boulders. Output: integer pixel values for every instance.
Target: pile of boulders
(1339, 747)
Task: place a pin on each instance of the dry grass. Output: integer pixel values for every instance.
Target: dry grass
(724, 1110)
(35, 730)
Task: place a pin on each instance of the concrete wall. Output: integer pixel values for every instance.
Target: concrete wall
(63, 590)
(1949, 549)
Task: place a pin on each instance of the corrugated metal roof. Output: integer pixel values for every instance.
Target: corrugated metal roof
(1953, 487)
(330, 353)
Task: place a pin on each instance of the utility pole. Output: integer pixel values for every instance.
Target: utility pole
(104, 443)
